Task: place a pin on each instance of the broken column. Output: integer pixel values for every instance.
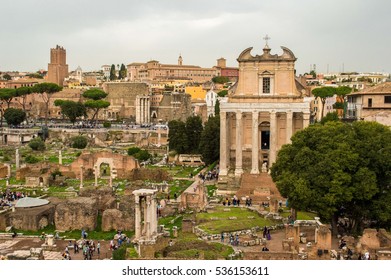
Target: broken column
(60, 157)
(81, 176)
(17, 159)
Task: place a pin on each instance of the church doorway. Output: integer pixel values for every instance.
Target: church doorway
(265, 136)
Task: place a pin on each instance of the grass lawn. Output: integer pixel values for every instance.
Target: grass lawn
(211, 189)
(179, 187)
(171, 221)
(76, 234)
(179, 171)
(301, 215)
(188, 246)
(218, 221)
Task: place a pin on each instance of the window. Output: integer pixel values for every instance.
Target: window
(266, 85)
(369, 102)
(387, 99)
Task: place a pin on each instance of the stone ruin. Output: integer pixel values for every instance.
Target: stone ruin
(195, 198)
(146, 226)
(376, 242)
(313, 234)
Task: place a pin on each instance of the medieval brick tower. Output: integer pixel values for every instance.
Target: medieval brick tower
(57, 68)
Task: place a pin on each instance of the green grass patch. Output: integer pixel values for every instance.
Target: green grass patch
(131, 253)
(76, 234)
(171, 221)
(179, 186)
(188, 246)
(218, 221)
(301, 215)
(211, 190)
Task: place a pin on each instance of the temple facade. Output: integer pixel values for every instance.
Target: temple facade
(262, 113)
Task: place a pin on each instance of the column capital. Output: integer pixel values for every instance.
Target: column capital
(238, 114)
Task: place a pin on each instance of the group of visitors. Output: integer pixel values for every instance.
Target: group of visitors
(121, 239)
(233, 240)
(208, 176)
(8, 197)
(235, 201)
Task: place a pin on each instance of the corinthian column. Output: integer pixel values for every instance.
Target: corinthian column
(238, 163)
(289, 129)
(255, 148)
(137, 217)
(306, 120)
(273, 138)
(223, 144)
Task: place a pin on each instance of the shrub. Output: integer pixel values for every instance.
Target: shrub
(14, 116)
(79, 142)
(31, 159)
(56, 173)
(37, 144)
(142, 155)
(120, 253)
(133, 150)
(107, 124)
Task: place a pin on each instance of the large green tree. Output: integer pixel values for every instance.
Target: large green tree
(323, 93)
(177, 136)
(193, 132)
(71, 109)
(210, 140)
(341, 93)
(46, 91)
(95, 101)
(122, 72)
(14, 116)
(22, 94)
(113, 75)
(6, 96)
(338, 170)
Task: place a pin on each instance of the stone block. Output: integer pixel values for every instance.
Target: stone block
(77, 213)
(113, 219)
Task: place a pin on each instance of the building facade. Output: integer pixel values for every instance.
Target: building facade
(265, 110)
(371, 104)
(154, 70)
(57, 68)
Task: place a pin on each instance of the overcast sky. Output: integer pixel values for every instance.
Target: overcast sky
(349, 35)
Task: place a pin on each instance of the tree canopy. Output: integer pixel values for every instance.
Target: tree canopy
(122, 72)
(220, 79)
(95, 102)
(7, 94)
(46, 90)
(210, 140)
(14, 116)
(113, 75)
(322, 93)
(71, 109)
(338, 170)
(94, 94)
(193, 132)
(177, 136)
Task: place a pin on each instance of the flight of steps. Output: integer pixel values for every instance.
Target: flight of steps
(253, 184)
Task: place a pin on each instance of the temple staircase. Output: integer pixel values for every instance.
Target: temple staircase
(258, 187)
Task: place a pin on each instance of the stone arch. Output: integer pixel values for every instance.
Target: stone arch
(109, 162)
(154, 115)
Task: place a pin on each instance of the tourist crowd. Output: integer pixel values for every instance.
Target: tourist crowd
(8, 197)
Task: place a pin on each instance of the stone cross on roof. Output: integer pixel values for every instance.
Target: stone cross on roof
(266, 38)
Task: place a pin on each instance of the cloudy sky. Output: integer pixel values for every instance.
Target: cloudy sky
(349, 35)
